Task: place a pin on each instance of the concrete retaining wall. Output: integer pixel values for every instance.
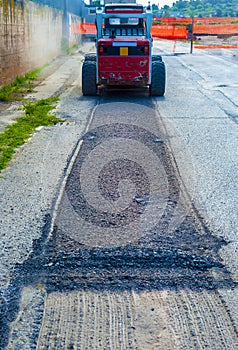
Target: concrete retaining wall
(30, 35)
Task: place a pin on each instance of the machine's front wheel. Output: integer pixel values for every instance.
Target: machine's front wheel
(158, 74)
(89, 85)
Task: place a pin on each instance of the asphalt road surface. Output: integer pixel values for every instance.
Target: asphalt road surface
(139, 246)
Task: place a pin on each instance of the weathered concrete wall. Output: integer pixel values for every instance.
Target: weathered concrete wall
(30, 35)
(74, 38)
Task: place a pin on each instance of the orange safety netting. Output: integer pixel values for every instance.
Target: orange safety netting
(212, 20)
(176, 28)
(215, 29)
(83, 28)
(188, 20)
(169, 31)
(216, 46)
(162, 31)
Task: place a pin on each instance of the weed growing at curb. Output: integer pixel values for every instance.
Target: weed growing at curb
(36, 114)
(20, 86)
(66, 49)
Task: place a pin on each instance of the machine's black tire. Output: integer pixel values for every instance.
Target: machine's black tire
(158, 77)
(89, 85)
(156, 58)
(90, 57)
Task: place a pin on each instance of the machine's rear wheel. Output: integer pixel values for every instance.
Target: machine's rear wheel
(90, 57)
(156, 58)
(157, 87)
(89, 85)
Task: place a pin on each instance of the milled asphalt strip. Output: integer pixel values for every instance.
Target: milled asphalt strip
(131, 320)
(144, 321)
(68, 171)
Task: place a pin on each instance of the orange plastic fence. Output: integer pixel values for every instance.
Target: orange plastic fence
(171, 20)
(212, 26)
(212, 20)
(161, 31)
(187, 20)
(169, 31)
(84, 28)
(216, 29)
(175, 28)
(216, 46)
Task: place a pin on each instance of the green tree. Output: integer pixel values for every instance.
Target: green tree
(203, 8)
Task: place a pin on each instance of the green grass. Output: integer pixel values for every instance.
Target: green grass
(72, 49)
(66, 49)
(36, 114)
(20, 86)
